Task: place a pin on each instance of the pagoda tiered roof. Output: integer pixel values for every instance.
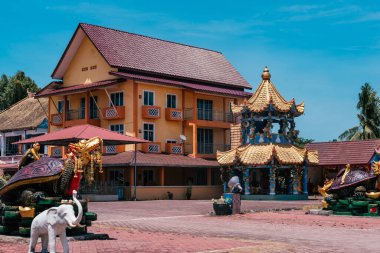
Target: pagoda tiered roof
(262, 154)
(267, 95)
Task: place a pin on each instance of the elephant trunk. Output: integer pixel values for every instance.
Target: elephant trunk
(80, 210)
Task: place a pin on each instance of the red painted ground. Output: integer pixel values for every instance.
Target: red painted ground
(185, 226)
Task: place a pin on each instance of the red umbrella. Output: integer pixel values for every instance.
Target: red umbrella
(76, 133)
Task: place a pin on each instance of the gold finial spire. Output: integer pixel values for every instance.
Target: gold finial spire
(265, 75)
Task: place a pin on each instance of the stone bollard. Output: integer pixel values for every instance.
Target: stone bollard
(235, 201)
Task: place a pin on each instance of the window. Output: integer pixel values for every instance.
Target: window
(60, 106)
(171, 101)
(148, 97)
(204, 109)
(116, 177)
(148, 177)
(93, 107)
(117, 128)
(149, 132)
(171, 141)
(82, 112)
(117, 99)
(205, 141)
(11, 149)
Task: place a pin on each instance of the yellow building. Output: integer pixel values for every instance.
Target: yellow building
(176, 96)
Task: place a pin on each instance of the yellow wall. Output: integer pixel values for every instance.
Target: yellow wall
(179, 192)
(164, 129)
(86, 56)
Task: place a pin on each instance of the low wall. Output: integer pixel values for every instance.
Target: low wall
(100, 198)
(179, 192)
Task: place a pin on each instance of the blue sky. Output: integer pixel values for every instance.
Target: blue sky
(319, 52)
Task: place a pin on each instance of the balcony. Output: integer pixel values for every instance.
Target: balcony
(117, 112)
(209, 118)
(114, 149)
(174, 148)
(173, 114)
(56, 119)
(151, 147)
(77, 117)
(151, 112)
(206, 150)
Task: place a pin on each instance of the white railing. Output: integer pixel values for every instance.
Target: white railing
(111, 149)
(154, 148)
(111, 112)
(154, 112)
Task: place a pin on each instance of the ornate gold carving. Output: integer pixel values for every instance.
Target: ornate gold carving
(345, 174)
(30, 153)
(85, 153)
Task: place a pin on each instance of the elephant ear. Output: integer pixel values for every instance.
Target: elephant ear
(52, 214)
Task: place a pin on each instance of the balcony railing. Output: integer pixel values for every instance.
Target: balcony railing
(207, 148)
(56, 119)
(209, 115)
(174, 148)
(151, 112)
(173, 114)
(151, 147)
(117, 112)
(75, 114)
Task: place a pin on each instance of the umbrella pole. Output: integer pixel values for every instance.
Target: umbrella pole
(135, 176)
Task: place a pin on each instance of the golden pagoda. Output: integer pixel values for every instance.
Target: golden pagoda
(267, 158)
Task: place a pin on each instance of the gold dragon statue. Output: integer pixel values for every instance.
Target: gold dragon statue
(83, 155)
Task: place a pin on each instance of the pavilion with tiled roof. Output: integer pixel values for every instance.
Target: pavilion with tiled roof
(269, 155)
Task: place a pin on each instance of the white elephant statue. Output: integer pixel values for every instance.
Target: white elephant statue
(53, 222)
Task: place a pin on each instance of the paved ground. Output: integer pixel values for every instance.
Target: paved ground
(186, 226)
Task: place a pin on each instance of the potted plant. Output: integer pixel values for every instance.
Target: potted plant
(221, 206)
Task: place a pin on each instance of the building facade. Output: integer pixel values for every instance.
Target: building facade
(174, 95)
(23, 120)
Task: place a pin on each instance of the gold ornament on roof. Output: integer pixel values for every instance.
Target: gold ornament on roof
(265, 75)
(266, 95)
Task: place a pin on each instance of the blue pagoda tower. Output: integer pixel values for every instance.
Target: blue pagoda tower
(267, 158)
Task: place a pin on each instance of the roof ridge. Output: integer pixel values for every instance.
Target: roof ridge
(368, 140)
(150, 37)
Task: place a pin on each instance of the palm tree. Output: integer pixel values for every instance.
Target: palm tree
(369, 116)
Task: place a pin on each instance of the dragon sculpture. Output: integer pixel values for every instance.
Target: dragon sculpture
(351, 183)
(44, 182)
(53, 176)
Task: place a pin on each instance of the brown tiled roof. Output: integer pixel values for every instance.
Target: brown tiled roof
(198, 87)
(25, 114)
(130, 51)
(150, 159)
(343, 152)
(55, 88)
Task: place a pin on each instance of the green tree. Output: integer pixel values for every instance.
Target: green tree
(15, 88)
(301, 142)
(369, 116)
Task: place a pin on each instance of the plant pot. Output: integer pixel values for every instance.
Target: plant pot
(222, 209)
